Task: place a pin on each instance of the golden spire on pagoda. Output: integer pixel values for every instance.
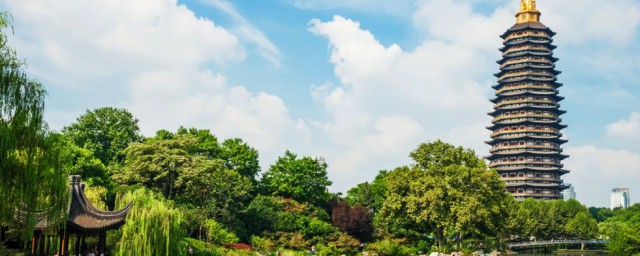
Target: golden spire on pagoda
(528, 12)
(527, 5)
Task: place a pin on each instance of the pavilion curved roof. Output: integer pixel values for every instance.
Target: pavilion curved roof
(81, 214)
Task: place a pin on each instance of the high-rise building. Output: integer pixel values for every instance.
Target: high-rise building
(620, 198)
(526, 139)
(569, 193)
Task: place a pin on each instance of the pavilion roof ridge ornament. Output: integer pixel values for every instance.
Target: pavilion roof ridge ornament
(528, 12)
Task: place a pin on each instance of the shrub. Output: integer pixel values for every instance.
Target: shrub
(262, 245)
(318, 228)
(389, 248)
(218, 235)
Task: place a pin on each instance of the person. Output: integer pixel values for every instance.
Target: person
(92, 254)
(313, 250)
(190, 250)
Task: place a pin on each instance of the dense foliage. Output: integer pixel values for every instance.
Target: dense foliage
(303, 179)
(105, 132)
(546, 220)
(622, 230)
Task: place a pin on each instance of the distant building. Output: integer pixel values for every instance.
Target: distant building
(526, 140)
(569, 193)
(620, 198)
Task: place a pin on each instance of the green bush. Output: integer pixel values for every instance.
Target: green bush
(318, 228)
(262, 245)
(219, 235)
(389, 248)
(201, 248)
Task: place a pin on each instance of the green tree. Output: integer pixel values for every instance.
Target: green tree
(600, 213)
(31, 174)
(239, 156)
(105, 131)
(302, 179)
(448, 190)
(582, 226)
(370, 195)
(182, 168)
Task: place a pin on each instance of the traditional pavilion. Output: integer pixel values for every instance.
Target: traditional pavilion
(82, 220)
(526, 128)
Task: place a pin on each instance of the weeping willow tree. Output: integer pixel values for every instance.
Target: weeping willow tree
(30, 172)
(152, 227)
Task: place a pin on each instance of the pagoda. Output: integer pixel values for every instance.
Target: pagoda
(526, 128)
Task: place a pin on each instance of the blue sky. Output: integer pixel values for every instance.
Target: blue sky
(360, 82)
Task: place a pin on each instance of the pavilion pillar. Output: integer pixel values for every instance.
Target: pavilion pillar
(103, 242)
(41, 244)
(78, 251)
(83, 245)
(64, 250)
(33, 244)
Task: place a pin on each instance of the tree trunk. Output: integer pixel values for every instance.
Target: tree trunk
(440, 235)
(459, 240)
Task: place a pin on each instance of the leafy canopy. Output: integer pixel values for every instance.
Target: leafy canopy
(302, 179)
(105, 131)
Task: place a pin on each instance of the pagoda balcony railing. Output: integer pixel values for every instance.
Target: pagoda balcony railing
(524, 60)
(525, 73)
(502, 117)
(526, 34)
(524, 87)
(532, 38)
(521, 147)
(527, 100)
(541, 162)
(527, 64)
(517, 91)
(526, 47)
(517, 120)
(539, 194)
(515, 106)
(520, 134)
(528, 130)
(532, 179)
(544, 51)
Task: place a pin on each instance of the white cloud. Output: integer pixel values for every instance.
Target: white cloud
(595, 171)
(249, 33)
(86, 43)
(626, 128)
